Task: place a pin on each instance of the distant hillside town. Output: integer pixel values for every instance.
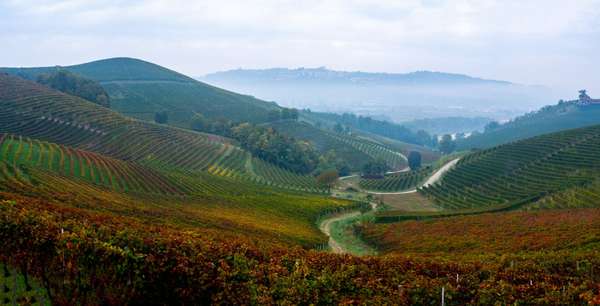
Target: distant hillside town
(584, 99)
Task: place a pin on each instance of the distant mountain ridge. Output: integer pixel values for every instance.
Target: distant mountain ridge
(396, 96)
(355, 77)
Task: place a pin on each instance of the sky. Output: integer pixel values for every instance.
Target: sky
(554, 43)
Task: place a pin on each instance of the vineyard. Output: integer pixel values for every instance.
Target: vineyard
(397, 181)
(542, 230)
(357, 151)
(529, 169)
(32, 111)
(158, 264)
(140, 89)
(585, 196)
(97, 208)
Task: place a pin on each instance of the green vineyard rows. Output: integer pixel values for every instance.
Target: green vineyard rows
(397, 181)
(57, 118)
(526, 169)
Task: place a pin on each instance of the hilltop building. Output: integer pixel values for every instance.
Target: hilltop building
(584, 99)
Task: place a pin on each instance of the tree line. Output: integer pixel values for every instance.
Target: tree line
(76, 85)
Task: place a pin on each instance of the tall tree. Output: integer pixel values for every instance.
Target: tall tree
(161, 117)
(446, 145)
(328, 178)
(414, 160)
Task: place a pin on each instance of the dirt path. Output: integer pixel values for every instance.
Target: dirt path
(440, 172)
(434, 178)
(325, 227)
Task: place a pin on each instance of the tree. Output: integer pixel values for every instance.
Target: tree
(338, 128)
(414, 160)
(73, 84)
(494, 125)
(375, 168)
(328, 178)
(200, 123)
(161, 117)
(446, 145)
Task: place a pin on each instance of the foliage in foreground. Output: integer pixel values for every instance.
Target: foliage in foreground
(511, 232)
(90, 258)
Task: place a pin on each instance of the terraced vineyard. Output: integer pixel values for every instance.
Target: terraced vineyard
(587, 195)
(521, 172)
(33, 111)
(140, 89)
(395, 160)
(103, 171)
(356, 151)
(398, 181)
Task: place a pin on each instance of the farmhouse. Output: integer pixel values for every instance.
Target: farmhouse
(584, 99)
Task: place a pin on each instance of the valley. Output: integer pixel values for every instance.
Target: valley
(172, 190)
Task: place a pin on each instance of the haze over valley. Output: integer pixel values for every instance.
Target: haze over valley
(394, 97)
(450, 155)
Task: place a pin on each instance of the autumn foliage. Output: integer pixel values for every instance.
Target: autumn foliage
(94, 258)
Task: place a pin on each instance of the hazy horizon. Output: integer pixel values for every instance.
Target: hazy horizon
(534, 43)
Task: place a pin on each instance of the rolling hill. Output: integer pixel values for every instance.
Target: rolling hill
(558, 170)
(35, 111)
(525, 170)
(76, 155)
(563, 116)
(140, 89)
(356, 151)
(99, 208)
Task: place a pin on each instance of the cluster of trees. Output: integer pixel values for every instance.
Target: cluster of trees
(379, 127)
(161, 117)
(446, 145)
(73, 84)
(331, 161)
(283, 114)
(263, 142)
(414, 160)
(375, 168)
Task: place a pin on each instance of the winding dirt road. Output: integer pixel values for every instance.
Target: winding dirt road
(434, 178)
(326, 224)
(325, 227)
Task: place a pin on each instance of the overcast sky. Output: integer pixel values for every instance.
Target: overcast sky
(545, 42)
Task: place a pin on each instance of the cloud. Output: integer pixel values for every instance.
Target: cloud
(523, 41)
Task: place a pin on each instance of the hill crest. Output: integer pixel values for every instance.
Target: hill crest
(354, 77)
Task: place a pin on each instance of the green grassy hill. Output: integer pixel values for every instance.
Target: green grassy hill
(549, 119)
(140, 89)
